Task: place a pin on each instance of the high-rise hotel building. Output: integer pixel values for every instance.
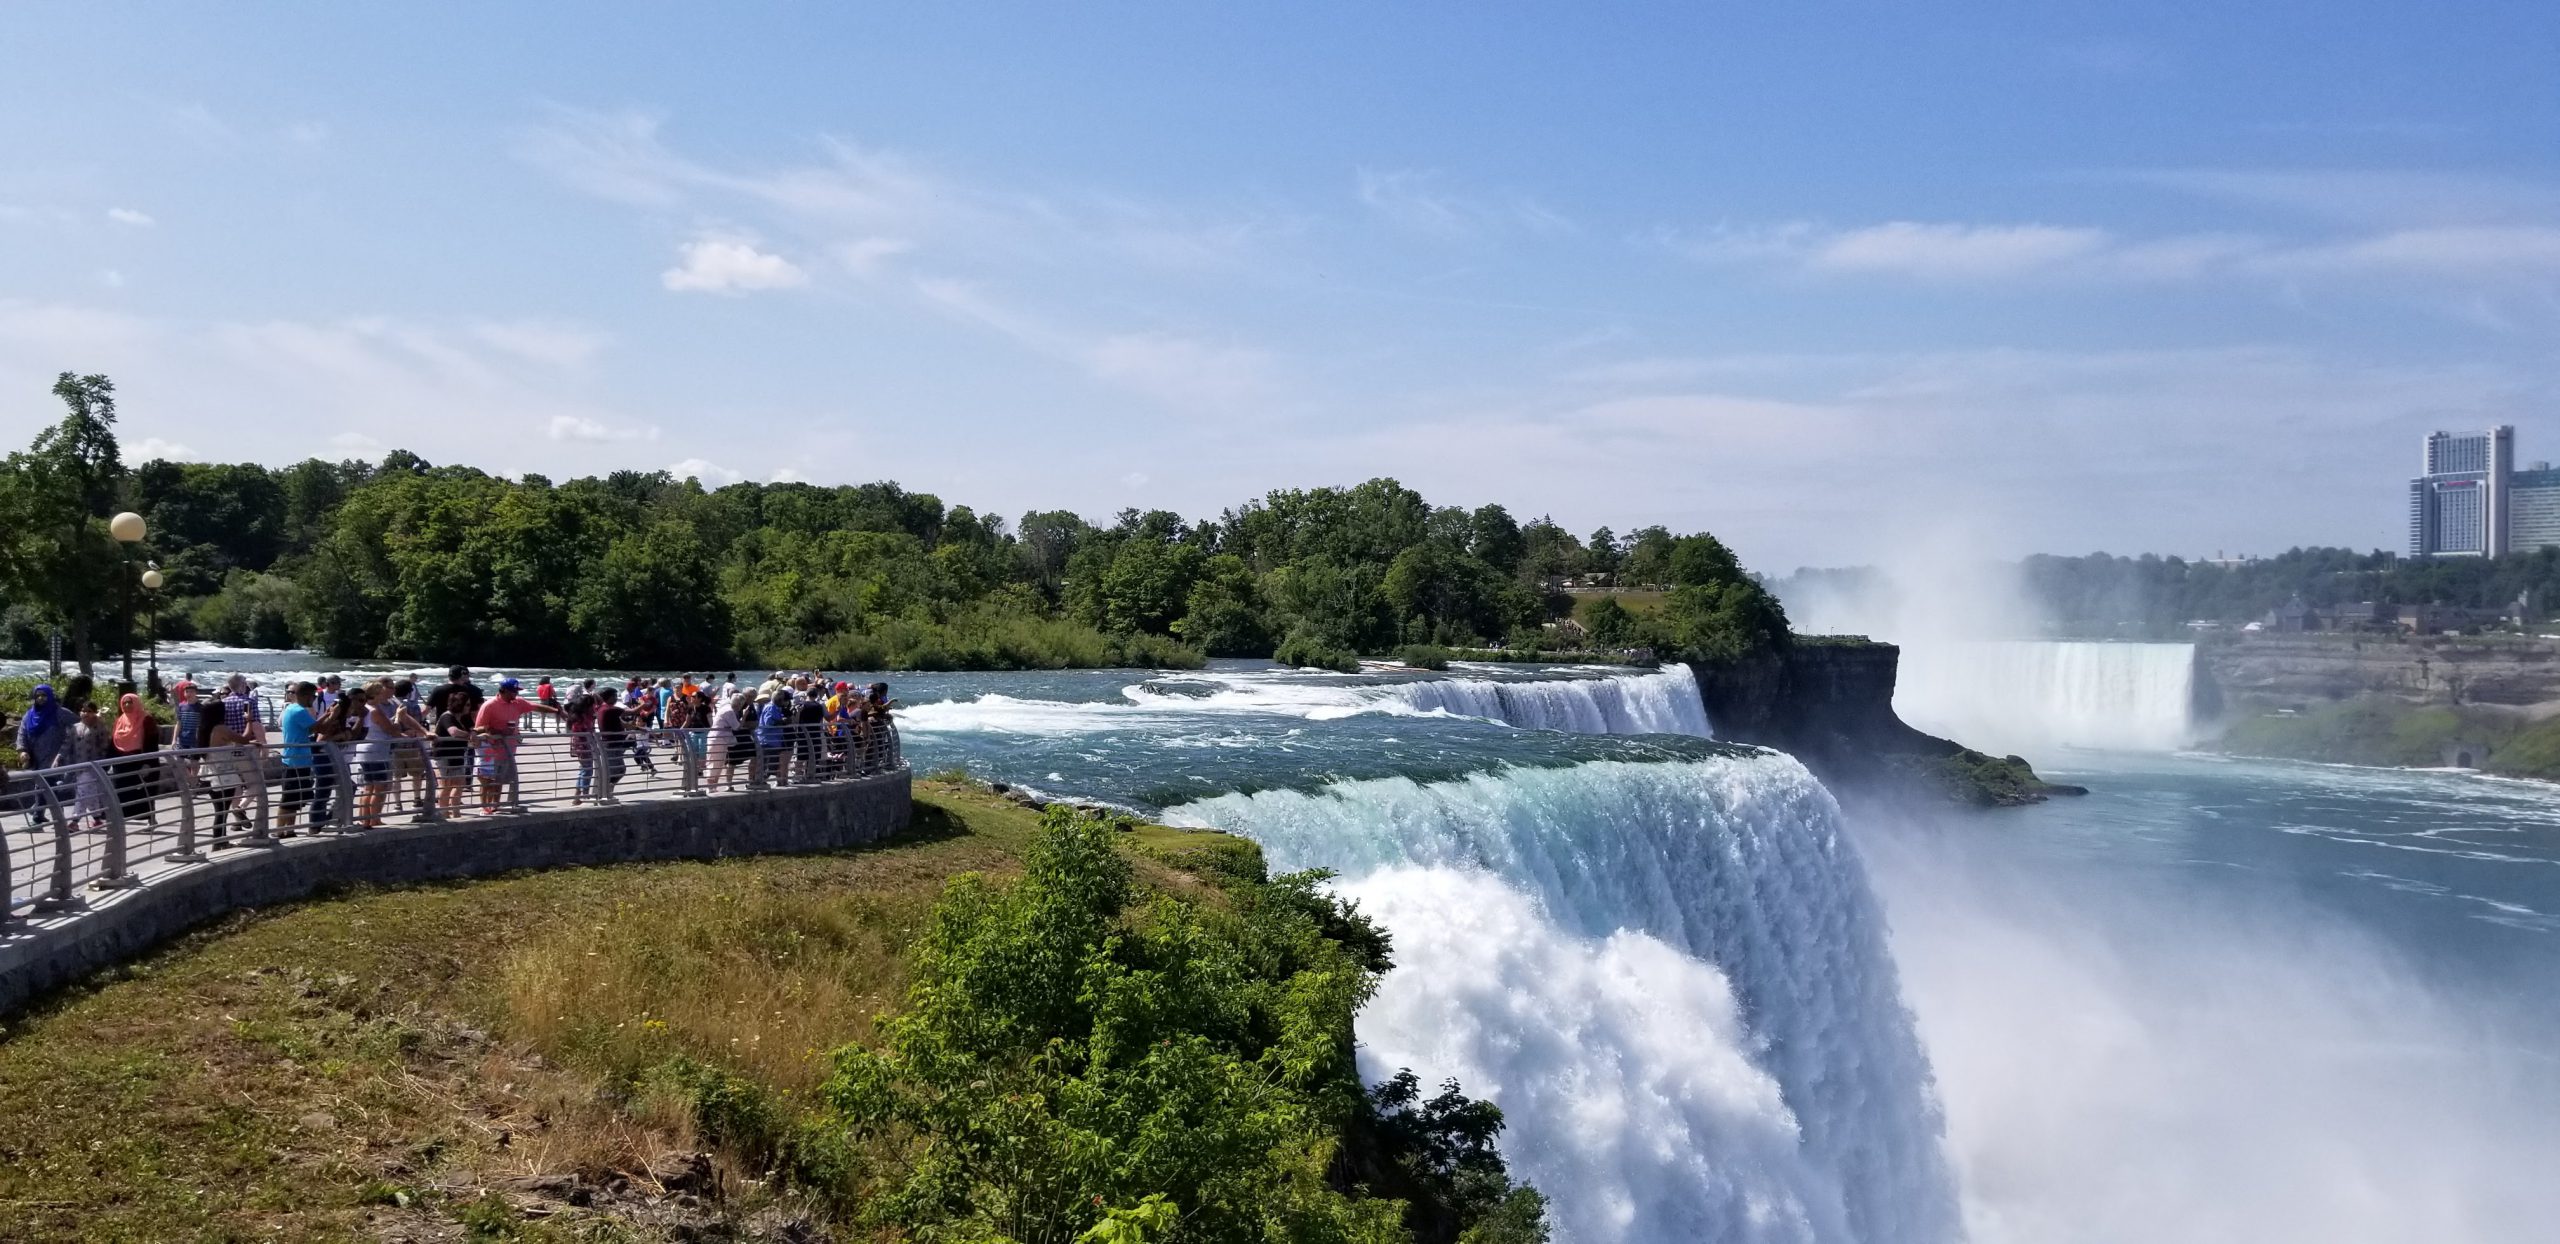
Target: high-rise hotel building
(2470, 500)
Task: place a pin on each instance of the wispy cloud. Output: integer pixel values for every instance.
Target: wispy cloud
(1421, 201)
(130, 216)
(542, 341)
(1985, 253)
(1180, 371)
(151, 447)
(730, 265)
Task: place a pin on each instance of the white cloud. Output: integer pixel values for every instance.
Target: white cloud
(786, 475)
(151, 447)
(730, 265)
(581, 428)
(712, 474)
(1952, 251)
(111, 278)
(129, 216)
(357, 443)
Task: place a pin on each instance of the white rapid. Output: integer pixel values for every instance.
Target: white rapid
(1663, 701)
(1671, 976)
(2033, 696)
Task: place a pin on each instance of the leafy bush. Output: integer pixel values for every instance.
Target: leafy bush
(1064, 1062)
(1303, 649)
(1425, 656)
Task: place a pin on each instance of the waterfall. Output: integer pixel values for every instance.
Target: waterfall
(1663, 702)
(2033, 696)
(1670, 976)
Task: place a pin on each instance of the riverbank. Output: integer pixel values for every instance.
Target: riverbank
(2390, 733)
(634, 1052)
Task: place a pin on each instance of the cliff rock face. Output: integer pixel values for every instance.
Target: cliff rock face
(1831, 706)
(2255, 673)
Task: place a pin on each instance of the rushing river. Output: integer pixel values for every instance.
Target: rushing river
(2212, 1001)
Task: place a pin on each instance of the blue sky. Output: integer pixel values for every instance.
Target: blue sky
(1826, 280)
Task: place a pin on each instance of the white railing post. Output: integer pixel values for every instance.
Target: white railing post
(59, 895)
(262, 828)
(114, 876)
(186, 853)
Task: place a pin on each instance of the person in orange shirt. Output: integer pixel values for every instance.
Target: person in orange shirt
(497, 731)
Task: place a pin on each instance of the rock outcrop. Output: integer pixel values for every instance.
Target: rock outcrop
(1830, 705)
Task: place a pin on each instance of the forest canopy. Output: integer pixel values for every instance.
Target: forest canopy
(407, 559)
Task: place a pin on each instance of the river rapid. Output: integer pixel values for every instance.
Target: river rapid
(2212, 1001)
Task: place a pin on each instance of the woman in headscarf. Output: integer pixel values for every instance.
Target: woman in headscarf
(44, 734)
(129, 754)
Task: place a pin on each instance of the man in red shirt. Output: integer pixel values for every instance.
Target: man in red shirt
(497, 732)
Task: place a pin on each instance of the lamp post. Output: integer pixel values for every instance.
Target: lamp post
(127, 528)
(151, 583)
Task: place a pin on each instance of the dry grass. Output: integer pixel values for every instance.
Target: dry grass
(369, 1066)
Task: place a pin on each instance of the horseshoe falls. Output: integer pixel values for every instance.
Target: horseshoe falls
(2032, 696)
(1670, 976)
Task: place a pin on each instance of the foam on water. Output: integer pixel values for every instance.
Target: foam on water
(1672, 972)
(1660, 702)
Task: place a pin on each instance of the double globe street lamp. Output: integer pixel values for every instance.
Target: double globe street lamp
(128, 530)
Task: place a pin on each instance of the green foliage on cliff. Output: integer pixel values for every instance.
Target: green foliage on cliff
(1070, 1056)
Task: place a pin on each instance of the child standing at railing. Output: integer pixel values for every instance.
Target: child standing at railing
(88, 744)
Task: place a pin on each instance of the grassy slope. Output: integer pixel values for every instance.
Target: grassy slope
(2367, 732)
(371, 1066)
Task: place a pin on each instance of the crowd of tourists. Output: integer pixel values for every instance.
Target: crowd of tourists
(392, 734)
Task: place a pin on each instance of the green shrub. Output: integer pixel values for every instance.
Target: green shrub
(1304, 650)
(1425, 656)
(1065, 1061)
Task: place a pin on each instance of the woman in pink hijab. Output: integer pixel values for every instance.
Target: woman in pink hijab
(129, 756)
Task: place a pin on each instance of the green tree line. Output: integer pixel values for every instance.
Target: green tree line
(406, 559)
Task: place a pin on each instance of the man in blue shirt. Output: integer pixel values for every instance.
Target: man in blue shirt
(297, 724)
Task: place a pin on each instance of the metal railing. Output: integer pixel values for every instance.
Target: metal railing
(74, 829)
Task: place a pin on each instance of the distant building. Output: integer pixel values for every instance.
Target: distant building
(2533, 508)
(2458, 502)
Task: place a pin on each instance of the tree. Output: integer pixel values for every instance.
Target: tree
(1610, 624)
(644, 604)
(1224, 617)
(1601, 552)
(1494, 539)
(54, 548)
(1701, 560)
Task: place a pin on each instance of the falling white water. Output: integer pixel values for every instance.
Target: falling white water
(1664, 701)
(1671, 976)
(2032, 696)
